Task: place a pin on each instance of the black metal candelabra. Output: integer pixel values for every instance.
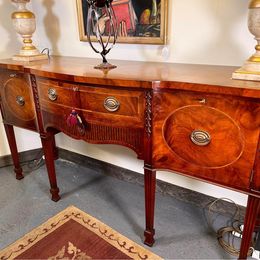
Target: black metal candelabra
(102, 23)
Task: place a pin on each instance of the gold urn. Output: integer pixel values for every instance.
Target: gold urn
(25, 25)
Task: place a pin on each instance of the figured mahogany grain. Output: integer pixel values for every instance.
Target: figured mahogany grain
(14, 85)
(232, 123)
(225, 135)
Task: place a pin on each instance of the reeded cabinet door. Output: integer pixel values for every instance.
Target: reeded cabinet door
(16, 99)
(210, 137)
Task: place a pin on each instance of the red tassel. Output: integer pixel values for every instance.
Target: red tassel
(72, 118)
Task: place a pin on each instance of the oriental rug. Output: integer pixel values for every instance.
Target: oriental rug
(73, 234)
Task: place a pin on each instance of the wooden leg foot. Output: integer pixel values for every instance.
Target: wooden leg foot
(55, 194)
(149, 237)
(19, 173)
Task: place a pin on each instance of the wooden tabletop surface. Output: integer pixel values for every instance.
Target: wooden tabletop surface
(209, 78)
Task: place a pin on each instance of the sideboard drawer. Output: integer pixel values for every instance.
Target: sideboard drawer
(108, 106)
(17, 101)
(210, 137)
(55, 92)
(95, 114)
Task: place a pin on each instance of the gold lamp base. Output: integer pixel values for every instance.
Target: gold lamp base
(246, 75)
(24, 24)
(250, 71)
(30, 58)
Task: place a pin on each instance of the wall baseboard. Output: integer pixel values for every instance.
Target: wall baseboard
(180, 193)
(24, 157)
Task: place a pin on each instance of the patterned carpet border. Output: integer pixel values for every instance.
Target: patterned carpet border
(111, 236)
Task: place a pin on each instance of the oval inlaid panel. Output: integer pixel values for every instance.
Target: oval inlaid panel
(16, 89)
(225, 144)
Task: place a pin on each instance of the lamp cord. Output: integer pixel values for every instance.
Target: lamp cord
(226, 235)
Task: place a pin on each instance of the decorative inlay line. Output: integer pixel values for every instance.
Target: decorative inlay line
(36, 102)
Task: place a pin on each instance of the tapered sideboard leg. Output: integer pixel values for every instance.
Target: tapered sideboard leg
(150, 183)
(252, 210)
(47, 144)
(14, 152)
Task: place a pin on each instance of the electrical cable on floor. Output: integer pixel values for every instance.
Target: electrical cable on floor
(227, 235)
(33, 165)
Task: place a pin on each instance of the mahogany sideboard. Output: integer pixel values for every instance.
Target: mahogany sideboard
(191, 119)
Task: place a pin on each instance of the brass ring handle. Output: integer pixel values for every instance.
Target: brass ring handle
(20, 101)
(111, 104)
(52, 94)
(200, 137)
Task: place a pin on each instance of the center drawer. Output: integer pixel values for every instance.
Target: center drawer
(108, 106)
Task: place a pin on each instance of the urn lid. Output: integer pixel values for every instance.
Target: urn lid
(254, 4)
(23, 15)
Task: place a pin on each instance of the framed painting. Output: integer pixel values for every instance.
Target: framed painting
(139, 21)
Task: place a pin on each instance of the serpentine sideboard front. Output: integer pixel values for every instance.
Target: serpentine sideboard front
(190, 119)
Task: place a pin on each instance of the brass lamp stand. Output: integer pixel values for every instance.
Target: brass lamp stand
(251, 69)
(25, 25)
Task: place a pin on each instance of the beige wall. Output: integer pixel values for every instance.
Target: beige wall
(200, 31)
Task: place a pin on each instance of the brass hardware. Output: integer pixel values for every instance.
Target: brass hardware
(201, 100)
(13, 75)
(52, 94)
(111, 104)
(20, 101)
(200, 137)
